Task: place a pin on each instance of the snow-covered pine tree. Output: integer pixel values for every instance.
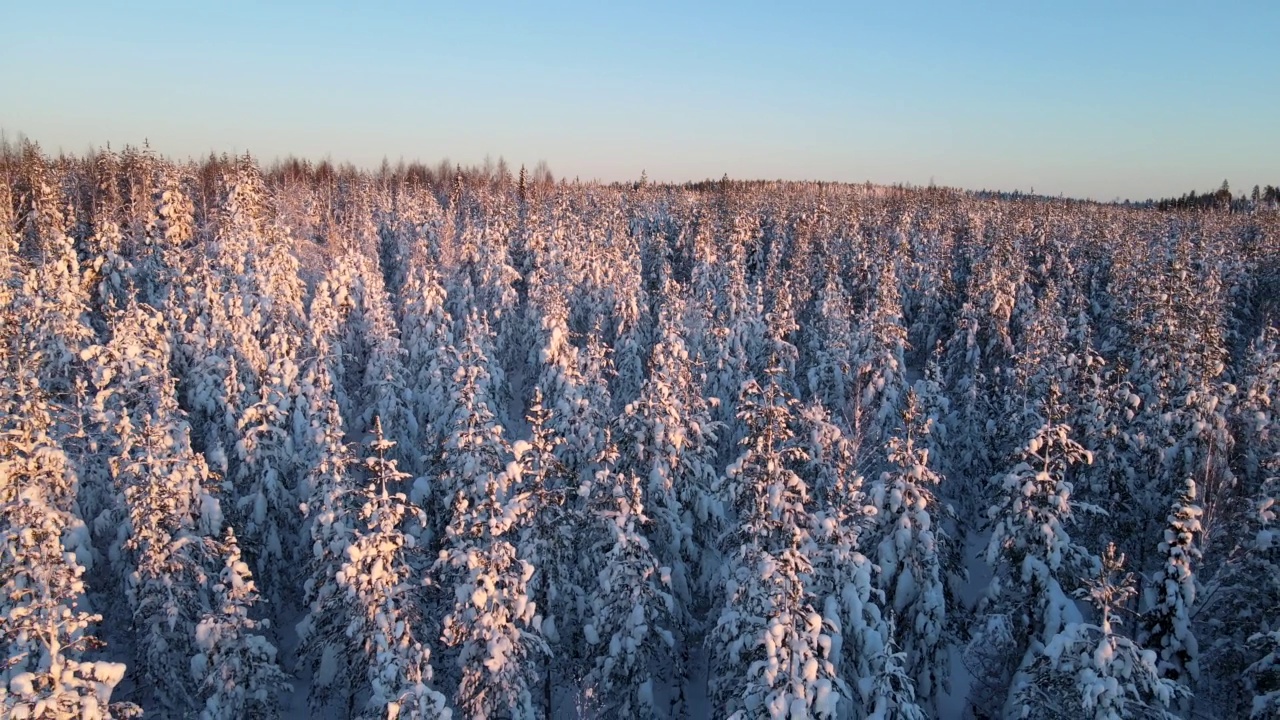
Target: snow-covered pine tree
(236, 667)
(1030, 549)
(630, 612)
(772, 649)
(383, 604)
(667, 436)
(45, 626)
(1092, 671)
(913, 553)
(489, 618)
(1171, 596)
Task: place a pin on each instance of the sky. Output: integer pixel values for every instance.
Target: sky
(1115, 99)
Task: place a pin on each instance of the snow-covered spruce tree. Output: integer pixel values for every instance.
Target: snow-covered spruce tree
(831, 347)
(1092, 671)
(331, 526)
(219, 360)
(473, 443)
(878, 366)
(631, 335)
(970, 418)
(630, 610)
(235, 666)
(326, 318)
(352, 313)
(484, 257)
(1257, 413)
(240, 219)
(490, 618)
(574, 387)
(358, 636)
(731, 347)
(1171, 595)
(1250, 589)
(277, 286)
(162, 530)
(552, 543)
(592, 414)
(668, 437)
(10, 258)
(780, 330)
(772, 650)
(853, 606)
(265, 482)
(1262, 678)
(381, 598)
(44, 625)
(1175, 355)
(164, 556)
(893, 692)
(51, 301)
(385, 390)
(935, 408)
(1243, 571)
(912, 551)
(163, 257)
(426, 332)
(1041, 360)
(109, 273)
(1030, 549)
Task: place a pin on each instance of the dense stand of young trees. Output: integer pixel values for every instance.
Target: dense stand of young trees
(411, 445)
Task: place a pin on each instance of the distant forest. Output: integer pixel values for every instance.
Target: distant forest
(1222, 198)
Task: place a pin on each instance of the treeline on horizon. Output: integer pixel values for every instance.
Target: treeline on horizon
(1222, 199)
(446, 173)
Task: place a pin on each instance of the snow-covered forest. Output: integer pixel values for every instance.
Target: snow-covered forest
(350, 444)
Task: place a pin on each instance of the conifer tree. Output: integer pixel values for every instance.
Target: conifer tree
(1171, 597)
(45, 626)
(912, 550)
(236, 667)
(630, 610)
(668, 437)
(1092, 671)
(490, 619)
(772, 649)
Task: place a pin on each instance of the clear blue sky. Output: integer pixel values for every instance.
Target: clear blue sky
(1120, 98)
